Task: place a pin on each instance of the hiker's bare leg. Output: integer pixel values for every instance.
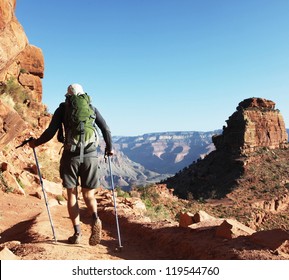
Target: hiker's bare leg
(72, 206)
(89, 199)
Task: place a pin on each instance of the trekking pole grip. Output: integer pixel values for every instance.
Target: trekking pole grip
(25, 142)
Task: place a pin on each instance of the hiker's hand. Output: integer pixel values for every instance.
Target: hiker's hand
(108, 153)
(32, 143)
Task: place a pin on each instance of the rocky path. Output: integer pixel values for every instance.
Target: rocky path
(26, 234)
(25, 219)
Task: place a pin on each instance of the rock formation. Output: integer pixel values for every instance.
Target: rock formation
(13, 38)
(256, 123)
(11, 124)
(19, 59)
(21, 108)
(21, 67)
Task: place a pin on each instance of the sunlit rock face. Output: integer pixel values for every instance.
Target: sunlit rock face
(256, 123)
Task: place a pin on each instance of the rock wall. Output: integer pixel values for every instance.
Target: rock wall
(24, 64)
(13, 38)
(18, 58)
(256, 123)
(11, 124)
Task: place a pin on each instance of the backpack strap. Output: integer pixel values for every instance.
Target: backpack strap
(81, 142)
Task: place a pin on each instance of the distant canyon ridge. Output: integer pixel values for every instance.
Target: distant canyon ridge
(166, 152)
(153, 157)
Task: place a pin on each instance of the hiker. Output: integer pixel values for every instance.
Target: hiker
(79, 159)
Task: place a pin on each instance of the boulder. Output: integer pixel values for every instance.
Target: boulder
(26, 178)
(230, 229)
(206, 224)
(186, 219)
(201, 216)
(272, 239)
(12, 183)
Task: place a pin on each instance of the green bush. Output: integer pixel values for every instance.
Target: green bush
(15, 90)
(122, 193)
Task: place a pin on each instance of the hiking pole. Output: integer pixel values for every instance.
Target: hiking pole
(114, 201)
(44, 194)
(41, 183)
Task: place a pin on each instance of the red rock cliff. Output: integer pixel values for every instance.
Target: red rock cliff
(18, 58)
(256, 123)
(23, 64)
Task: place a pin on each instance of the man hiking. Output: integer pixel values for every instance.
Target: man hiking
(79, 157)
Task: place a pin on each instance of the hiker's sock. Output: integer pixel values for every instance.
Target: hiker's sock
(77, 229)
(94, 216)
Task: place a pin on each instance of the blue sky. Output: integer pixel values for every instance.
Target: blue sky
(162, 65)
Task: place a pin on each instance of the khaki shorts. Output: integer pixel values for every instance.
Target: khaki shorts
(71, 171)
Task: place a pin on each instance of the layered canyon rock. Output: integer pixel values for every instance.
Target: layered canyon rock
(6, 12)
(256, 123)
(19, 59)
(13, 38)
(20, 63)
(11, 124)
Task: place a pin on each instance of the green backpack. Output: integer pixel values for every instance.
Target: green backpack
(80, 128)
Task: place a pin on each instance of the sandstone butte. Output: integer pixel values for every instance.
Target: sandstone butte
(256, 123)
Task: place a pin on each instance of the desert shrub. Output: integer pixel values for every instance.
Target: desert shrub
(158, 209)
(4, 185)
(23, 71)
(20, 183)
(13, 94)
(12, 88)
(59, 198)
(121, 193)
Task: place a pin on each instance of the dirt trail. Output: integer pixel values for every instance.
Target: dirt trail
(25, 219)
(26, 231)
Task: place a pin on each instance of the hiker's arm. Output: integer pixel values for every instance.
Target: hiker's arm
(99, 120)
(51, 130)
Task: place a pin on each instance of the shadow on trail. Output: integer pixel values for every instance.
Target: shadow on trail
(160, 241)
(19, 232)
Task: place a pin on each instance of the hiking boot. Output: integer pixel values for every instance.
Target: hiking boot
(75, 238)
(95, 236)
